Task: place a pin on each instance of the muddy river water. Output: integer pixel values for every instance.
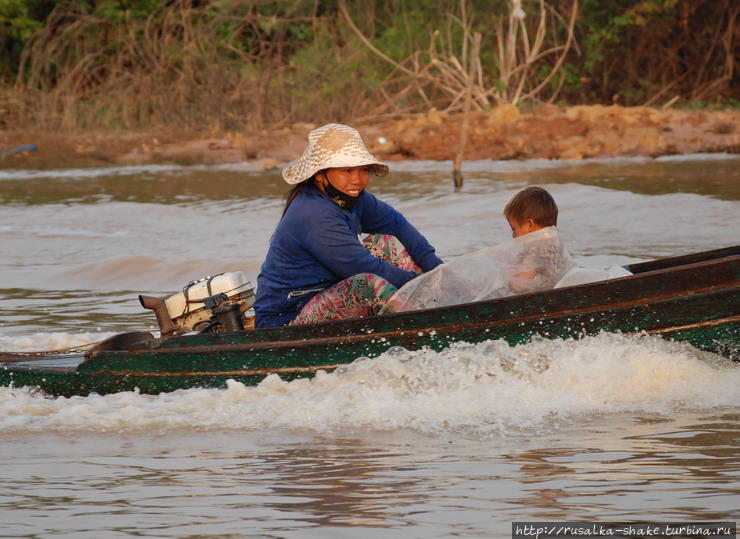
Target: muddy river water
(610, 428)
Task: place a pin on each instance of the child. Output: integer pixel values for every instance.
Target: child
(542, 263)
(536, 260)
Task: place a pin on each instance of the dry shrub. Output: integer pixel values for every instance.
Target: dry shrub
(82, 71)
(235, 64)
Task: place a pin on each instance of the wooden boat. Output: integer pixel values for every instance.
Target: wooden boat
(693, 298)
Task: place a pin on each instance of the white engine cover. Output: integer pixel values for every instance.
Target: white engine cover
(231, 283)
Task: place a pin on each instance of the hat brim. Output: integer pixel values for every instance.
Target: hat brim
(295, 172)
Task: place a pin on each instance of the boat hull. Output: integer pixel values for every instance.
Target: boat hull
(697, 303)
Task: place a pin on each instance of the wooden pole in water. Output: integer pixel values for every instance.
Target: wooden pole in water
(457, 175)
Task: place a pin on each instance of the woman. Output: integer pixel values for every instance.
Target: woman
(316, 268)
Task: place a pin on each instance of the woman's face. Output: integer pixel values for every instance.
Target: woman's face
(349, 180)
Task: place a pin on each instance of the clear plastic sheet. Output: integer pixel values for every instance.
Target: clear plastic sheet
(529, 263)
(578, 275)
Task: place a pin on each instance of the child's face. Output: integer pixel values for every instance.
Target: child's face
(520, 229)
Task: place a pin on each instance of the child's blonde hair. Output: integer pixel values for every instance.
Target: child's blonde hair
(532, 203)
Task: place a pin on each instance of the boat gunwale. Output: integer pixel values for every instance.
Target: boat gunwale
(639, 268)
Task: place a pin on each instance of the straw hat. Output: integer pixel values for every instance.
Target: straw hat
(332, 146)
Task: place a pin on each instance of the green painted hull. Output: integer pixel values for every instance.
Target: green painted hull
(697, 302)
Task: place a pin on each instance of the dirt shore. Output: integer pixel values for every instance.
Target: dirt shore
(505, 132)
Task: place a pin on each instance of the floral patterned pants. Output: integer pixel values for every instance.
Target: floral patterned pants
(362, 294)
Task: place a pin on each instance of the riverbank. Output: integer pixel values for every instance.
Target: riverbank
(504, 133)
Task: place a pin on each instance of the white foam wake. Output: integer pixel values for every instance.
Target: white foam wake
(132, 170)
(535, 164)
(481, 390)
(49, 341)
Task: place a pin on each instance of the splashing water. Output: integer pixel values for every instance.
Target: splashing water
(50, 341)
(478, 390)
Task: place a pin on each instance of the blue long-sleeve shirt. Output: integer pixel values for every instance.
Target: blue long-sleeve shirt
(316, 245)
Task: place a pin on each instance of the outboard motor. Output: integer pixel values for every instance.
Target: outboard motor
(212, 304)
(223, 313)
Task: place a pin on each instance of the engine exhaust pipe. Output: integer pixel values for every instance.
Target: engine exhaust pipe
(166, 327)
